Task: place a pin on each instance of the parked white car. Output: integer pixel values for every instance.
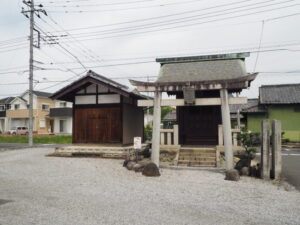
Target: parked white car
(18, 131)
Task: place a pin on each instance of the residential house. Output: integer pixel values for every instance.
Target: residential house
(170, 119)
(5, 105)
(62, 118)
(280, 102)
(104, 111)
(18, 114)
(236, 112)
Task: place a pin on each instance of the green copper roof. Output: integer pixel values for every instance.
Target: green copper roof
(242, 55)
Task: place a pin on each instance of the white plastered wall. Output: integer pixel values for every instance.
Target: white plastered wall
(68, 125)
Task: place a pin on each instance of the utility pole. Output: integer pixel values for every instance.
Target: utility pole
(147, 113)
(31, 10)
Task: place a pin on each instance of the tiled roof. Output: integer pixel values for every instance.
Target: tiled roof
(170, 116)
(42, 94)
(97, 79)
(279, 94)
(202, 68)
(202, 71)
(6, 100)
(250, 103)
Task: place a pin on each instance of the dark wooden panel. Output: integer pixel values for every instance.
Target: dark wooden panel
(198, 125)
(97, 125)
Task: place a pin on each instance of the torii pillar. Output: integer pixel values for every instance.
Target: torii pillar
(226, 128)
(156, 128)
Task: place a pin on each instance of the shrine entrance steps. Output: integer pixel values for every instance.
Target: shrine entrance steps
(197, 156)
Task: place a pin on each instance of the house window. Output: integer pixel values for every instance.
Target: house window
(17, 106)
(45, 107)
(62, 126)
(42, 123)
(7, 107)
(62, 104)
(2, 107)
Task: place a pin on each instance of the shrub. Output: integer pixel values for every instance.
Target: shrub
(148, 133)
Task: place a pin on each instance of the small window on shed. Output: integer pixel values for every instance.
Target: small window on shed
(17, 106)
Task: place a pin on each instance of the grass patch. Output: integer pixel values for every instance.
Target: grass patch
(51, 139)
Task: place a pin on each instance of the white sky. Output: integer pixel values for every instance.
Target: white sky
(199, 27)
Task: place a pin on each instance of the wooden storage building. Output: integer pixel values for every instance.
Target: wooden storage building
(104, 111)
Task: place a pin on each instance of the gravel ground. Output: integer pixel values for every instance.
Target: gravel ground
(35, 189)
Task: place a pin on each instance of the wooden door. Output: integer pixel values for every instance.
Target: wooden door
(198, 125)
(97, 125)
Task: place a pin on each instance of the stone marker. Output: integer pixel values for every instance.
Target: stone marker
(126, 162)
(151, 170)
(232, 175)
(244, 171)
(138, 167)
(276, 150)
(265, 150)
(130, 165)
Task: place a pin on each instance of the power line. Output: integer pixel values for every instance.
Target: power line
(121, 9)
(259, 45)
(67, 69)
(66, 50)
(176, 14)
(105, 4)
(12, 40)
(84, 49)
(152, 57)
(185, 25)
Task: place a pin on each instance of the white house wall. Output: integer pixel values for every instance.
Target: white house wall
(57, 104)
(68, 125)
(26, 97)
(20, 102)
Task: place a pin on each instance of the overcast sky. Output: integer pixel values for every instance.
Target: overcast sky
(122, 38)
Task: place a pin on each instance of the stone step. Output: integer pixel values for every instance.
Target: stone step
(196, 161)
(188, 150)
(198, 158)
(197, 154)
(198, 164)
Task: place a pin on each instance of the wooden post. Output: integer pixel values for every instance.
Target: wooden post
(162, 138)
(238, 119)
(226, 129)
(220, 135)
(169, 138)
(156, 128)
(238, 116)
(276, 149)
(265, 150)
(235, 139)
(176, 137)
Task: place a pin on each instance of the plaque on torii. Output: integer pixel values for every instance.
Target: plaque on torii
(189, 96)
